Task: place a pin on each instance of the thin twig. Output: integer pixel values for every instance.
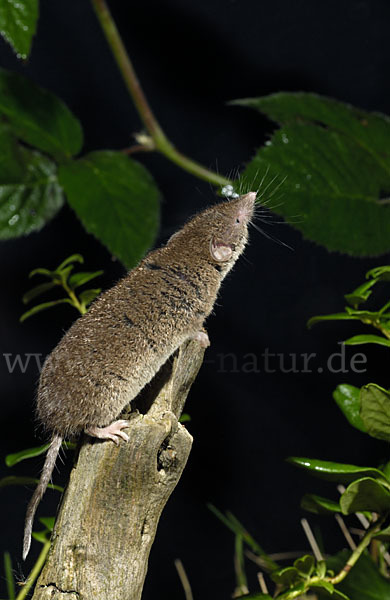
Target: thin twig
(345, 531)
(262, 584)
(184, 579)
(162, 143)
(311, 539)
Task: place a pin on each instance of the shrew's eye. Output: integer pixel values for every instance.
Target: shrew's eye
(237, 220)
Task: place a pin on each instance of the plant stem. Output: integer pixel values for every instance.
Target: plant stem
(161, 142)
(357, 553)
(35, 572)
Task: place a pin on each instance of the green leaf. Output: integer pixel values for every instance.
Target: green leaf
(321, 568)
(29, 191)
(48, 522)
(44, 306)
(38, 290)
(336, 159)
(380, 273)
(367, 339)
(332, 471)
(347, 398)
(185, 417)
(69, 260)
(88, 296)
(305, 565)
(41, 536)
(327, 589)
(38, 117)
(361, 294)
(234, 525)
(9, 577)
(18, 23)
(365, 494)
(326, 585)
(78, 279)
(287, 577)
(384, 534)
(375, 411)
(335, 317)
(239, 563)
(116, 199)
(364, 582)
(19, 480)
(17, 457)
(41, 271)
(319, 505)
(255, 596)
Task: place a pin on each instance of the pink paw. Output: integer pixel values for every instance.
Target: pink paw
(111, 432)
(202, 338)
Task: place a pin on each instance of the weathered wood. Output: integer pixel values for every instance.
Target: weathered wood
(110, 511)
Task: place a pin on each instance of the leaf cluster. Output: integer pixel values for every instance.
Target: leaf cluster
(379, 319)
(367, 489)
(63, 277)
(333, 161)
(114, 196)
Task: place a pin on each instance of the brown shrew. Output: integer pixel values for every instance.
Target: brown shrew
(110, 353)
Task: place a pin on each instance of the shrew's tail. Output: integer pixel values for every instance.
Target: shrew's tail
(47, 471)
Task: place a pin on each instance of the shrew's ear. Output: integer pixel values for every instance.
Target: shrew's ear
(220, 252)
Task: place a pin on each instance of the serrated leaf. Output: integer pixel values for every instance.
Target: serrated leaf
(48, 522)
(305, 565)
(364, 581)
(45, 305)
(17, 457)
(38, 290)
(287, 577)
(365, 494)
(18, 23)
(356, 340)
(335, 158)
(319, 505)
(335, 317)
(29, 191)
(116, 199)
(375, 411)
(38, 117)
(78, 279)
(332, 471)
(347, 398)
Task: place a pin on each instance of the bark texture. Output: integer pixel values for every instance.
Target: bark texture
(110, 510)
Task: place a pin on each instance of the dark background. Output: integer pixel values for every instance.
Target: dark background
(193, 58)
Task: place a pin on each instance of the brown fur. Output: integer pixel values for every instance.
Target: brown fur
(115, 349)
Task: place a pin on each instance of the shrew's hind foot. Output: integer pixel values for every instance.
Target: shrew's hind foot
(111, 432)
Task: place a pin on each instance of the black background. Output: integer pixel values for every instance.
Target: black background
(191, 59)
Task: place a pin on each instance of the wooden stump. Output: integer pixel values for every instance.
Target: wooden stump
(110, 510)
